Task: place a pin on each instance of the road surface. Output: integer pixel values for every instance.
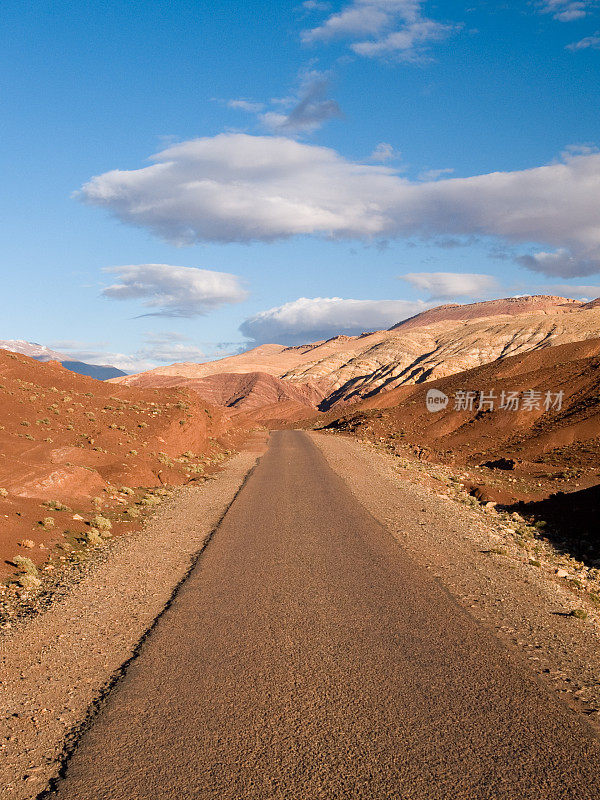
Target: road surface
(307, 657)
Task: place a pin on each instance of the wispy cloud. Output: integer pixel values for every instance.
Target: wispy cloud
(311, 110)
(395, 28)
(310, 319)
(315, 5)
(235, 187)
(446, 285)
(586, 43)
(246, 105)
(566, 10)
(434, 174)
(158, 348)
(303, 112)
(384, 152)
(579, 292)
(170, 291)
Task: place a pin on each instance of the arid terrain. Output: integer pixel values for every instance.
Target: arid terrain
(78, 456)
(434, 344)
(132, 529)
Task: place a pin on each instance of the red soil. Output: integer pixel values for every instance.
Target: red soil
(555, 449)
(68, 438)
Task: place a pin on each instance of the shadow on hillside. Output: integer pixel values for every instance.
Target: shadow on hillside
(572, 521)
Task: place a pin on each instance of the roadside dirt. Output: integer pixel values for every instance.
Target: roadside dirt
(57, 665)
(522, 588)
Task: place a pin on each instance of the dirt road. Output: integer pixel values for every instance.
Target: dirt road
(308, 657)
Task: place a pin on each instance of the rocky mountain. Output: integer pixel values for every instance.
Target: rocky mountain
(532, 448)
(437, 343)
(40, 352)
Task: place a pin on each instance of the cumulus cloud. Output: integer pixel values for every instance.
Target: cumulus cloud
(174, 291)
(241, 188)
(445, 285)
(392, 27)
(586, 43)
(310, 319)
(560, 263)
(566, 10)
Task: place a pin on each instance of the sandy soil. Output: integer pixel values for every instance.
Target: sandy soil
(56, 666)
(479, 558)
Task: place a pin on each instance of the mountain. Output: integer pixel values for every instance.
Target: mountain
(101, 372)
(440, 342)
(41, 353)
(541, 449)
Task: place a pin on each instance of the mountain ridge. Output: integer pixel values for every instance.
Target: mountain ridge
(442, 341)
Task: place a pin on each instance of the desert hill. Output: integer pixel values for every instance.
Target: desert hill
(437, 343)
(66, 439)
(541, 450)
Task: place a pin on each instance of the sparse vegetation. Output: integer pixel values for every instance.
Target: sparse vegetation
(578, 613)
(100, 522)
(26, 565)
(56, 505)
(93, 537)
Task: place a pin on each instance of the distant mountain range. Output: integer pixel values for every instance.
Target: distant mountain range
(344, 369)
(42, 353)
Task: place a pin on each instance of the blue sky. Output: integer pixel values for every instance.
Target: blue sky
(333, 137)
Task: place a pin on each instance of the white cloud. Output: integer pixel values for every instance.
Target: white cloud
(158, 349)
(566, 10)
(393, 27)
(434, 174)
(315, 5)
(384, 152)
(246, 105)
(445, 285)
(174, 291)
(586, 292)
(310, 319)
(586, 43)
(235, 187)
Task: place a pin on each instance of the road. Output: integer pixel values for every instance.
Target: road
(307, 657)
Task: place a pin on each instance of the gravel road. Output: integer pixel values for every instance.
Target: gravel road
(308, 656)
